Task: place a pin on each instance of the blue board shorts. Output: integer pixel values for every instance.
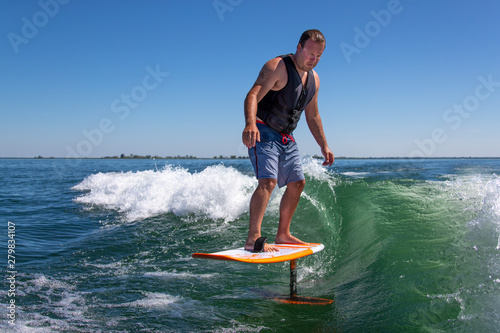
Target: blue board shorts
(276, 156)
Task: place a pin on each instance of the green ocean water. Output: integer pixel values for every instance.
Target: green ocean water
(105, 245)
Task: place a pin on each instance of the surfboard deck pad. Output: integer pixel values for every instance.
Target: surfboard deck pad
(286, 252)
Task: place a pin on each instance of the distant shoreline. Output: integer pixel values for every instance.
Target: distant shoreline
(221, 157)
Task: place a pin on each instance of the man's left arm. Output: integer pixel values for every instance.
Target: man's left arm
(316, 126)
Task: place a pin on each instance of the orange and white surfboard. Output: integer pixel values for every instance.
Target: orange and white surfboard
(285, 252)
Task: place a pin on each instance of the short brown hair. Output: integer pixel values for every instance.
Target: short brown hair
(313, 34)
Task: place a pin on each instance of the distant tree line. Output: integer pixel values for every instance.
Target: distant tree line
(177, 157)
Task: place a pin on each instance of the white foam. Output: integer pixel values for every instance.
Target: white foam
(482, 194)
(314, 169)
(355, 174)
(63, 300)
(182, 276)
(152, 300)
(42, 282)
(217, 192)
(450, 298)
(116, 268)
(239, 327)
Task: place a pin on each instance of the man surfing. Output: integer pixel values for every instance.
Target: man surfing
(286, 86)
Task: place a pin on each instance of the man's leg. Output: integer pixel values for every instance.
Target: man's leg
(258, 205)
(288, 204)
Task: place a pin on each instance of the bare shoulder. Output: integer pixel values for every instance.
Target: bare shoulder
(273, 74)
(316, 79)
(275, 65)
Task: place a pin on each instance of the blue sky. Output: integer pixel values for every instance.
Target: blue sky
(101, 78)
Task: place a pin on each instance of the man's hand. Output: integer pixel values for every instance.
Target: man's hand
(250, 135)
(327, 153)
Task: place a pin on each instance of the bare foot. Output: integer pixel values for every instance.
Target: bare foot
(288, 239)
(249, 246)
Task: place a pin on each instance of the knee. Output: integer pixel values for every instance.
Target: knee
(299, 185)
(267, 184)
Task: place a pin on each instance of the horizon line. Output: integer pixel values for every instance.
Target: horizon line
(144, 157)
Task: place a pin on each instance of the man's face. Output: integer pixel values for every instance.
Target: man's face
(308, 55)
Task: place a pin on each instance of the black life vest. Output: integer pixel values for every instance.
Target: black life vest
(281, 110)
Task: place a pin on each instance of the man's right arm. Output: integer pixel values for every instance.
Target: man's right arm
(268, 78)
(251, 133)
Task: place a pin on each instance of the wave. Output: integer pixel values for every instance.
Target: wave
(221, 192)
(217, 192)
(394, 232)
